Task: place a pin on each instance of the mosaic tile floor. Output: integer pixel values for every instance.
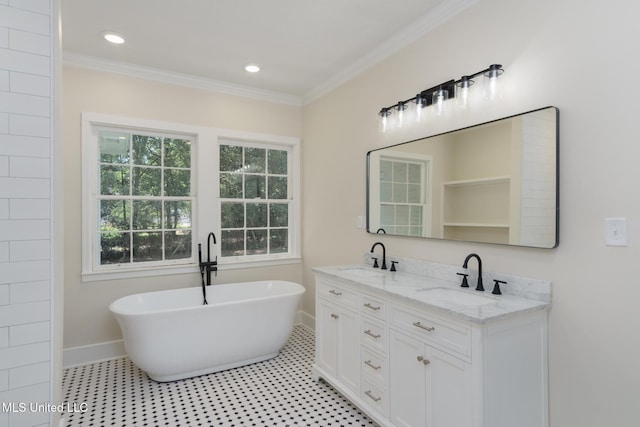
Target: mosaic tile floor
(276, 392)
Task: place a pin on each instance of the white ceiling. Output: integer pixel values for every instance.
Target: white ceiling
(305, 47)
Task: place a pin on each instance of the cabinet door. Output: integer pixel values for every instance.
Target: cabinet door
(449, 383)
(407, 381)
(349, 350)
(327, 337)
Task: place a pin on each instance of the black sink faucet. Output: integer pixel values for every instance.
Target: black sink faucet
(479, 287)
(384, 255)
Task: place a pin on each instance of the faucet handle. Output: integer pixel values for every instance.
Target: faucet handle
(375, 262)
(496, 286)
(464, 283)
(393, 265)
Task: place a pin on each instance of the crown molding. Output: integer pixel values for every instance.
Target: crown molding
(180, 79)
(438, 16)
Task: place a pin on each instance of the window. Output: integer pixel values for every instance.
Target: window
(144, 197)
(401, 200)
(151, 191)
(255, 199)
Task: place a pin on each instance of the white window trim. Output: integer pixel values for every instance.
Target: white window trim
(206, 217)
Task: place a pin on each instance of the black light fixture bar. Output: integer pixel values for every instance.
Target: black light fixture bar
(425, 97)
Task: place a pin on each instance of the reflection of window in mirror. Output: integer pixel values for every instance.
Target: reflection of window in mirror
(403, 195)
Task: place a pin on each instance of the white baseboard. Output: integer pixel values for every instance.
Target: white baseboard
(86, 354)
(93, 353)
(306, 319)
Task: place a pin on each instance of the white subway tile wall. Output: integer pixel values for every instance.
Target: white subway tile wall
(26, 47)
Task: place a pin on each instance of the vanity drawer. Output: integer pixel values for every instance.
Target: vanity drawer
(337, 294)
(374, 367)
(375, 397)
(372, 306)
(449, 335)
(374, 334)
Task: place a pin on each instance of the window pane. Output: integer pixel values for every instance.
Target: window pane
(278, 162)
(402, 215)
(147, 214)
(232, 215)
(230, 158)
(385, 192)
(114, 248)
(147, 150)
(400, 193)
(177, 244)
(230, 186)
(277, 187)
(254, 186)
(385, 170)
(232, 243)
(254, 159)
(416, 215)
(413, 193)
(279, 241)
(256, 215)
(177, 215)
(399, 172)
(147, 246)
(146, 181)
(114, 147)
(387, 216)
(177, 182)
(177, 153)
(278, 215)
(114, 180)
(256, 242)
(414, 173)
(114, 214)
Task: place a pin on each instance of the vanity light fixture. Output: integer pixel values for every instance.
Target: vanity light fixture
(399, 114)
(113, 38)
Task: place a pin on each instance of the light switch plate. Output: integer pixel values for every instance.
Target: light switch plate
(615, 230)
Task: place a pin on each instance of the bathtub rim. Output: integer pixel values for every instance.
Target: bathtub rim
(298, 290)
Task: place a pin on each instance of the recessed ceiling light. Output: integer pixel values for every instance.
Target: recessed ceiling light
(252, 68)
(113, 37)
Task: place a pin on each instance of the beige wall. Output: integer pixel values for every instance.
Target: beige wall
(566, 53)
(87, 319)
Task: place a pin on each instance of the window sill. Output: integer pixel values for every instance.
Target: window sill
(183, 269)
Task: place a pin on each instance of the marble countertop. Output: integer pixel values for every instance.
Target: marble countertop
(442, 295)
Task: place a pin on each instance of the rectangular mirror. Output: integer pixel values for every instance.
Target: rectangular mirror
(496, 182)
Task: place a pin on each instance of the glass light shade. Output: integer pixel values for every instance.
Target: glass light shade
(463, 93)
(401, 115)
(384, 120)
(439, 98)
(419, 110)
(491, 86)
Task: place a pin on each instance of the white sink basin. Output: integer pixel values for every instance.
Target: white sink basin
(454, 296)
(361, 272)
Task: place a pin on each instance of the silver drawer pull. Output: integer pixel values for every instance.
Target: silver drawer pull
(335, 316)
(371, 307)
(368, 363)
(371, 396)
(334, 292)
(426, 328)
(371, 334)
(423, 360)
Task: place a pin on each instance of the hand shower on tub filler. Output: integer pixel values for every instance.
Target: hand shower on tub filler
(206, 267)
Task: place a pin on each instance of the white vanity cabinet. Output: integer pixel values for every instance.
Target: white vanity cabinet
(406, 363)
(337, 334)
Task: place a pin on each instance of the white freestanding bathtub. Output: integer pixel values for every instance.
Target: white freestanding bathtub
(170, 335)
